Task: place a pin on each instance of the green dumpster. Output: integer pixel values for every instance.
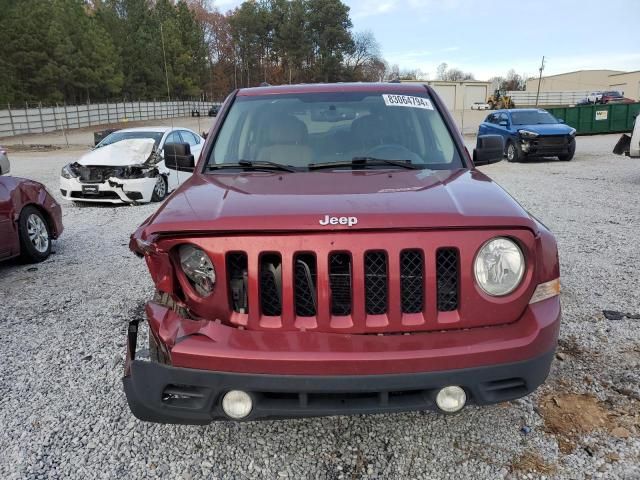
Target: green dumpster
(593, 119)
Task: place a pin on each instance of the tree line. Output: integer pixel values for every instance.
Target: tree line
(77, 51)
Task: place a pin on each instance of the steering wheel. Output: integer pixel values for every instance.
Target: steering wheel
(393, 151)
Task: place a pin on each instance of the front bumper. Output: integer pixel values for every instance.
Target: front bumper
(294, 374)
(160, 393)
(547, 146)
(113, 190)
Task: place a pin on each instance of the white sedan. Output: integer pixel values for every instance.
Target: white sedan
(128, 166)
(480, 106)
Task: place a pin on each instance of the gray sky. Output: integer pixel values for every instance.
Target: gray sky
(487, 37)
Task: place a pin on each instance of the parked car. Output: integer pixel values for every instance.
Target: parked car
(594, 97)
(480, 106)
(4, 160)
(531, 132)
(336, 251)
(128, 166)
(213, 111)
(614, 97)
(30, 218)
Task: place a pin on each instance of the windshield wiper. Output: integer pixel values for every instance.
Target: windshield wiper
(252, 165)
(366, 162)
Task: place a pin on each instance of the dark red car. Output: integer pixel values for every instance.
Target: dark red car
(29, 217)
(336, 251)
(614, 97)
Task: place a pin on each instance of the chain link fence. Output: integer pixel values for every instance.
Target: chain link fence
(36, 118)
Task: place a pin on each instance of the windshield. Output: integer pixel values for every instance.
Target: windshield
(116, 137)
(305, 129)
(532, 117)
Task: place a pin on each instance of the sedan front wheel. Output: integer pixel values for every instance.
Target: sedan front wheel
(35, 235)
(160, 189)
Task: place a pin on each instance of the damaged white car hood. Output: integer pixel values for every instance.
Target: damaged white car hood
(135, 151)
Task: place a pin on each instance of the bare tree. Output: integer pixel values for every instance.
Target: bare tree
(365, 49)
(452, 74)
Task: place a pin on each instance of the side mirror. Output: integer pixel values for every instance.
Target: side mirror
(177, 156)
(489, 149)
(5, 166)
(561, 120)
(504, 123)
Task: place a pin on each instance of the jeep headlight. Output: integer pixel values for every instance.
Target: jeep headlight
(198, 269)
(499, 266)
(527, 134)
(572, 132)
(67, 172)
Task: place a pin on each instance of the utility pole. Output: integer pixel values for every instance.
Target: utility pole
(539, 81)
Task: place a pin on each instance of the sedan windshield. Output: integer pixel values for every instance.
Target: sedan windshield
(116, 137)
(334, 130)
(534, 117)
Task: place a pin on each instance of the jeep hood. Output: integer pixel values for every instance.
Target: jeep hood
(405, 199)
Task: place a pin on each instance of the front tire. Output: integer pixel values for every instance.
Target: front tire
(34, 234)
(160, 189)
(513, 153)
(569, 155)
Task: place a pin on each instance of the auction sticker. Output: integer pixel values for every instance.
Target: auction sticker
(407, 101)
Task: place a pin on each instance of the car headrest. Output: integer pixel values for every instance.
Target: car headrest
(286, 130)
(368, 128)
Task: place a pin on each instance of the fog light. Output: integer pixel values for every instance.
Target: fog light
(451, 399)
(237, 404)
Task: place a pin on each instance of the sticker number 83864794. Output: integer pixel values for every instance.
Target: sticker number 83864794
(407, 101)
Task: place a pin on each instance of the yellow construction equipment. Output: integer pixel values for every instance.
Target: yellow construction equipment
(499, 100)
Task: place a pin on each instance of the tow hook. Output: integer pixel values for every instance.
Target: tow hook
(132, 344)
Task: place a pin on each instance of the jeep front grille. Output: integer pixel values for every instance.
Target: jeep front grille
(331, 289)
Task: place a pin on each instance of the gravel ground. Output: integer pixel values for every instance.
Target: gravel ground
(64, 415)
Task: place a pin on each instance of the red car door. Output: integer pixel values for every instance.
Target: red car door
(8, 237)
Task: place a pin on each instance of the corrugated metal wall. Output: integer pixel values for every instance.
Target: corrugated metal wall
(39, 119)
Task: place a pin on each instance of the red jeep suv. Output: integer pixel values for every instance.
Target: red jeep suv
(337, 252)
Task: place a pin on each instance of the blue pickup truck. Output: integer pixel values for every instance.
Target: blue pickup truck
(530, 132)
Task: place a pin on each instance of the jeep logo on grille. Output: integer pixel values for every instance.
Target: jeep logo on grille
(328, 220)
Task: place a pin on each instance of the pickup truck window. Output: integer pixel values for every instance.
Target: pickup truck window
(315, 128)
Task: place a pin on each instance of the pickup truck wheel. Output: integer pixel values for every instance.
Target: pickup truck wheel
(513, 153)
(35, 235)
(160, 189)
(572, 150)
